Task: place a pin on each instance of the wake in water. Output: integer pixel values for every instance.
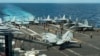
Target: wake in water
(14, 11)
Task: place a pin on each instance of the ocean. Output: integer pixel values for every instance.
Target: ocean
(90, 11)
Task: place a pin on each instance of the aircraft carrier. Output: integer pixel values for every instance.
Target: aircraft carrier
(30, 37)
(90, 46)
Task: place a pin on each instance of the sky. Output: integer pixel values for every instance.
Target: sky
(49, 1)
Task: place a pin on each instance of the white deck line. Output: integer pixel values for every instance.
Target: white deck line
(61, 52)
(74, 52)
(91, 45)
(33, 32)
(83, 34)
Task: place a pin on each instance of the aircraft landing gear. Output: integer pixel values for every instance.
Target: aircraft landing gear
(48, 47)
(80, 45)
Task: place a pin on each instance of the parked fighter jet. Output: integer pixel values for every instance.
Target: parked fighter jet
(48, 19)
(62, 19)
(82, 26)
(69, 22)
(39, 20)
(19, 21)
(59, 20)
(58, 39)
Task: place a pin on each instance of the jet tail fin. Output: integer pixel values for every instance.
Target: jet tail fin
(64, 17)
(14, 19)
(86, 22)
(68, 36)
(48, 17)
(0, 20)
(76, 22)
(70, 17)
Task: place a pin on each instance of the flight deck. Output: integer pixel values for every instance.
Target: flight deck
(90, 46)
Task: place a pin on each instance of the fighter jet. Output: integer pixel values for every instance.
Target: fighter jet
(58, 39)
(69, 22)
(48, 19)
(62, 19)
(59, 20)
(18, 21)
(37, 21)
(82, 26)
(40, 20)
(54, 20)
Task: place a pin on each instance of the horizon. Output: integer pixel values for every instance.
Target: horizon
(49, 1)
(52, 3)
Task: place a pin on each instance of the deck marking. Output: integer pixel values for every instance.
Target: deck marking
(83, 34)
(61, 52)
(74, 52)
(30, 32)
(91, 45)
